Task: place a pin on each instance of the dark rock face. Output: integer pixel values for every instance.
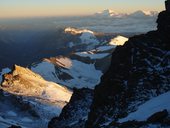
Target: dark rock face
(164, 26)
(167, 5)
(158, 117)
(139, 71)
(14, 126)
(75, 113)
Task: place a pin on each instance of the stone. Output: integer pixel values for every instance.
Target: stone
(167, 5)
(14, 126)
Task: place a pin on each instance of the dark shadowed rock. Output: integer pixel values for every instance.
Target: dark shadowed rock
(14, 126)
(167, 5)
(158, 117)
(75, 113)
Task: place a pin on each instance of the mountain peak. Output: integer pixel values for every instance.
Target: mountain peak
(22, 81)
(76, 31)
(138, 13)
(107, 12)
(167, 5)
(144, 13)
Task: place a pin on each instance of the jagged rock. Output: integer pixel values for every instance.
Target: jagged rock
(139, 71)
(131, 124)
(166, 121)
(14, 126)
(158, 117)
(167, 5)
(75, 113)
(164, 26)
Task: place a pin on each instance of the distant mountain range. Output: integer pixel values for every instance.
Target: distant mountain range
(139, 13)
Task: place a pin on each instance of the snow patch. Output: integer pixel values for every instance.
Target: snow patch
(5, 70)
(82, 74)
(77, 31)
(149, 108)
(105, 48)
(141, 14)
(119, 40)
(109, 13)
(97, 53)
(60, 61)
(92, 56)
(88, 38)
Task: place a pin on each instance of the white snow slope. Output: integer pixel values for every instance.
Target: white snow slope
(82, 74)
(87, 37)
(150, 107)
(119, 40)
(46, 98)
(102, 51)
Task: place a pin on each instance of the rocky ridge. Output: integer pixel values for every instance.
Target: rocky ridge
(75, 113)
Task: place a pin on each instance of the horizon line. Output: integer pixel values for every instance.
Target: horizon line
(67, 16)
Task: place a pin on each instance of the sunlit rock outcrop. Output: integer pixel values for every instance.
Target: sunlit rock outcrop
(45, 98)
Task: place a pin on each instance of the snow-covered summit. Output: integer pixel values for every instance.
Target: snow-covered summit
(27, 83)
(76, 31)
(141, 13)
(150, 107)
(86, 37)
(43, 97)
(78, 75)
(109, 13)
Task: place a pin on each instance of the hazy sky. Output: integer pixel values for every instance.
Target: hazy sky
(27, 8)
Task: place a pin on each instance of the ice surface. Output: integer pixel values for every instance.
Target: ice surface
(119, 40)
(150, 107)
(83, 75)
(5, 70)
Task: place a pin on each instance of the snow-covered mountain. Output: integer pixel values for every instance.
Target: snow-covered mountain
(78, 75)
(76, 31)
(87, 37)
(79, 69)
(142, 14)
(113, 14)
(133, 92)
(40, 99)
(46, 99)
(89, 59)
(5, 70)
(109, 13)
